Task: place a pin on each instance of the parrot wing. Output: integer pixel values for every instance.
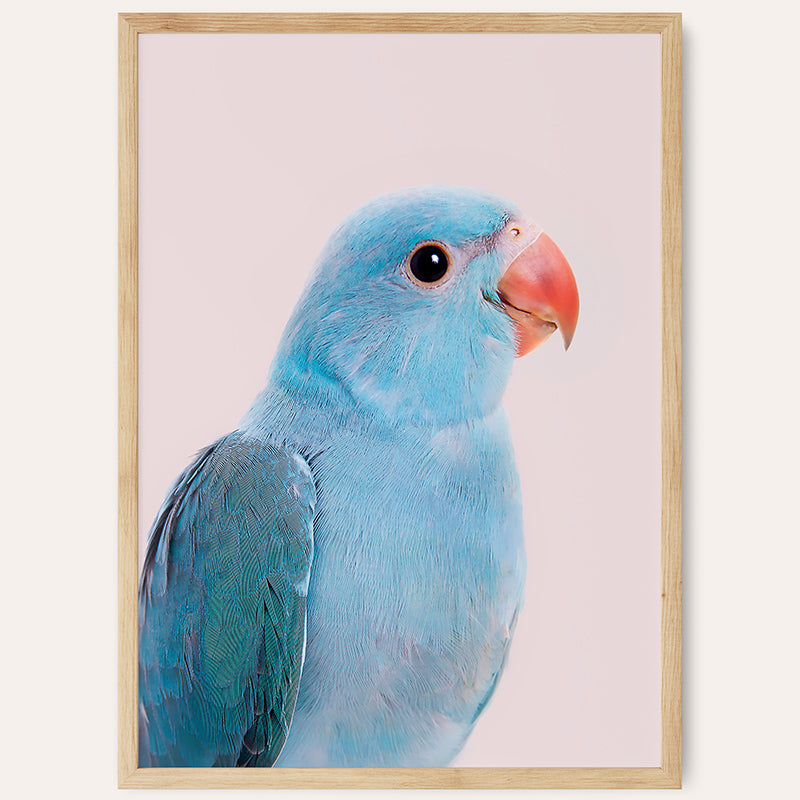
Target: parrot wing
(222, 608)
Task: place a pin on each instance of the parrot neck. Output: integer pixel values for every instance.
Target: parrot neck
(312, 406)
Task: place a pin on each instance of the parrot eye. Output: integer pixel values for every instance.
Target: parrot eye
(429, 263)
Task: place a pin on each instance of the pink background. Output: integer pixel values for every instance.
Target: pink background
(253, 148)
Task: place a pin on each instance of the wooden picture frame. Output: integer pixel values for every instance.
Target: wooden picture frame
(668, 774)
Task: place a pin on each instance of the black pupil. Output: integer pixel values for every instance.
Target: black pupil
(429, 263)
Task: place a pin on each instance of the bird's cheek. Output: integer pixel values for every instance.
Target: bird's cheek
(539, 293)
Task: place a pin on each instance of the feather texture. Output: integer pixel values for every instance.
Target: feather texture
(222, 608)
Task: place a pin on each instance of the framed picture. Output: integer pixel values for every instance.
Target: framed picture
(371, 547)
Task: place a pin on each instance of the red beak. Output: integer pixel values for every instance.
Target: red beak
(539, 293)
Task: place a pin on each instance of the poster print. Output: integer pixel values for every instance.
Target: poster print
(251, 155)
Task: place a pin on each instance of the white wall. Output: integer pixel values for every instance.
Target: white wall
(58, 318)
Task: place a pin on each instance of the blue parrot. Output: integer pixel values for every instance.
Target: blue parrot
(336, 582)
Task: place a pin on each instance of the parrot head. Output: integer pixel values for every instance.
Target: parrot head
(419, 302)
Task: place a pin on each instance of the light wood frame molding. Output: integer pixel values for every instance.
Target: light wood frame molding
(668, 775)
